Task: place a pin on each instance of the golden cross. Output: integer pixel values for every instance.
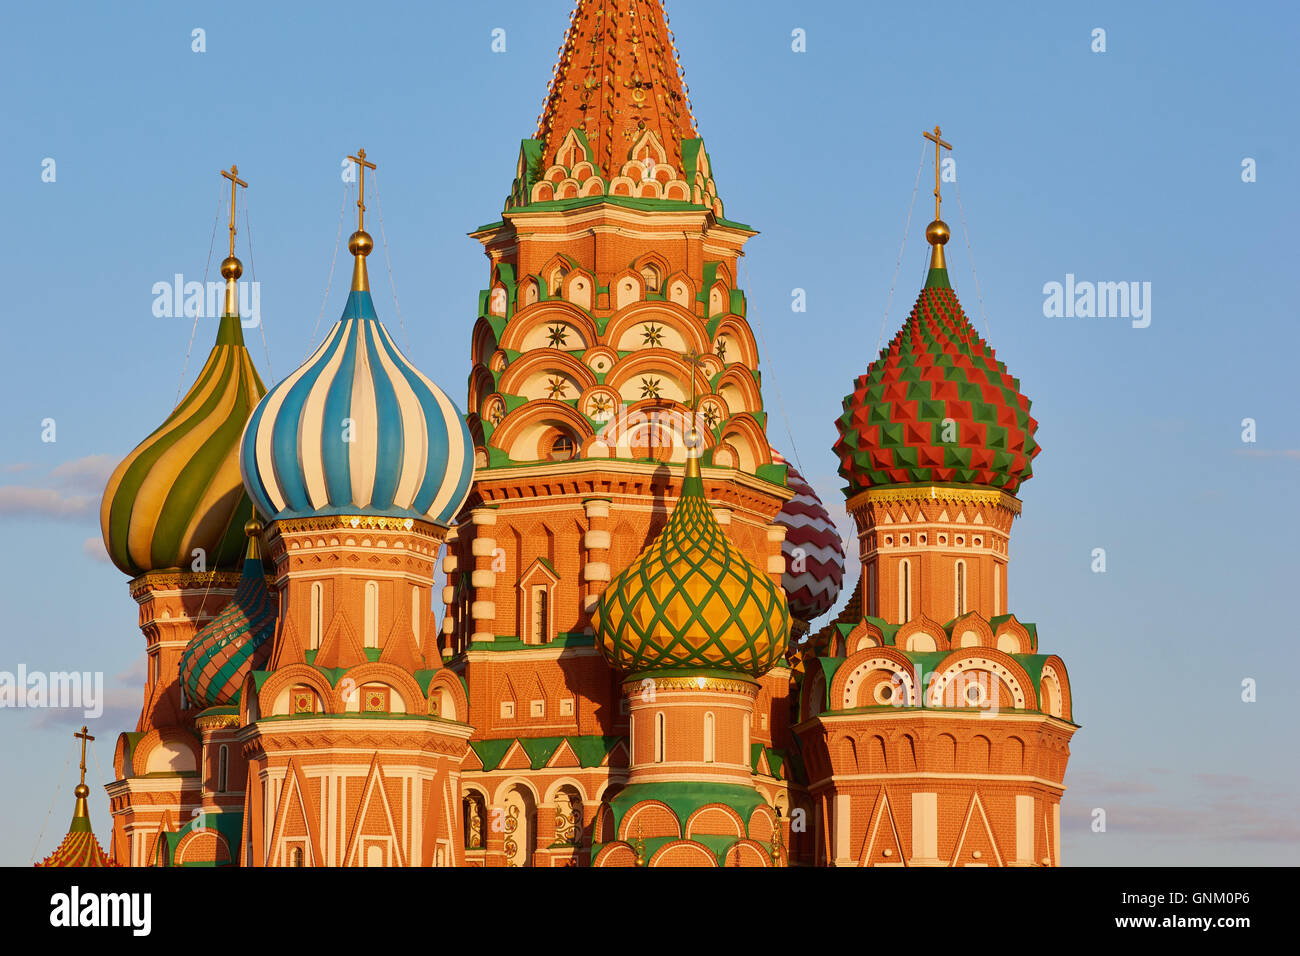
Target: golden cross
(935, 138)
(360, 160)
(84, 737)
(694, 443)
(235, 181)
(692, 358)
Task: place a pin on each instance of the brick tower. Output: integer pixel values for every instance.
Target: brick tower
(612, 322)
(172, 518)
(690, 625)
(354, 734)
(933, 730)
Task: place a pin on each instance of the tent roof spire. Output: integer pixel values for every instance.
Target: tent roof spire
(618, 76)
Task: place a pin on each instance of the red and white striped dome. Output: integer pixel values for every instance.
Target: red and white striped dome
(814, 557)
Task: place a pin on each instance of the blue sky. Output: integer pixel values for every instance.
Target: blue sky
(1117, 166)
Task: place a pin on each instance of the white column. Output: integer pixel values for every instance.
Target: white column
(841, 830)
(1056, 832)
(925, 829)
(1024, 829)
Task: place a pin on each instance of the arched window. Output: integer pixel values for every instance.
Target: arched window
(223, 767)
(650, 275)
(541, 614)
(562, 448)
(372, 614)
(415, 614)
(557, 278)
(520, 826)
(997, 588)
(568, 816)
(871, 589)
(961, 588)
(905, 590)
(475, 812)
(709, 738)
(317, 612)
(660, 734)
(296, 857)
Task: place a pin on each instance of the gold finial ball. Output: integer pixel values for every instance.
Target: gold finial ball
(253, 527)
(937, 233)
(81, 792)
(360, 243)
(231, 268)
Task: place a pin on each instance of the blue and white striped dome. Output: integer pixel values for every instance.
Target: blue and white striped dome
(357, 430)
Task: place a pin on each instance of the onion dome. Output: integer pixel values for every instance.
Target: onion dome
(180, 489)
(936, 406)
(692, 600)
(814, 557)
(219, 657)
(358, 429)
(79, 847)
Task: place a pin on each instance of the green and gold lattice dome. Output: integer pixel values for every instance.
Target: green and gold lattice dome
(692, 600)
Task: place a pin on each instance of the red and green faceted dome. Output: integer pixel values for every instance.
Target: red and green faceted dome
(936, 407)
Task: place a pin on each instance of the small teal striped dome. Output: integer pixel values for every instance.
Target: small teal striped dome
(357, 430)
(219, 657)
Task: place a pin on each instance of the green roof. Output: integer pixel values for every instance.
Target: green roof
(590, 750)
(228, 823)
(648, 205)
(685, 797)
(775, 759)
(511, 642)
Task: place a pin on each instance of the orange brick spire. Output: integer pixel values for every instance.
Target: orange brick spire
(618, 75)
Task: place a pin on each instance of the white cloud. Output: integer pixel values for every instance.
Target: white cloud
(1199, 807)
(93, 548)
(45, 502)
(88, 474)
(71, 491)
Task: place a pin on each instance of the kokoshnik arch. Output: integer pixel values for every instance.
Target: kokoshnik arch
(624, 671)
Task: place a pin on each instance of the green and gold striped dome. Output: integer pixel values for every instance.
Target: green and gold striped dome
(692, 600)
(180, 489)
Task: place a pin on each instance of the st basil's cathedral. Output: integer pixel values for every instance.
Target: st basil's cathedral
(624, 666)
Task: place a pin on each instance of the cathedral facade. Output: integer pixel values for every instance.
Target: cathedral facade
(623, 666)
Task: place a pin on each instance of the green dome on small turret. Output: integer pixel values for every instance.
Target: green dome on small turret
(692, 600)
